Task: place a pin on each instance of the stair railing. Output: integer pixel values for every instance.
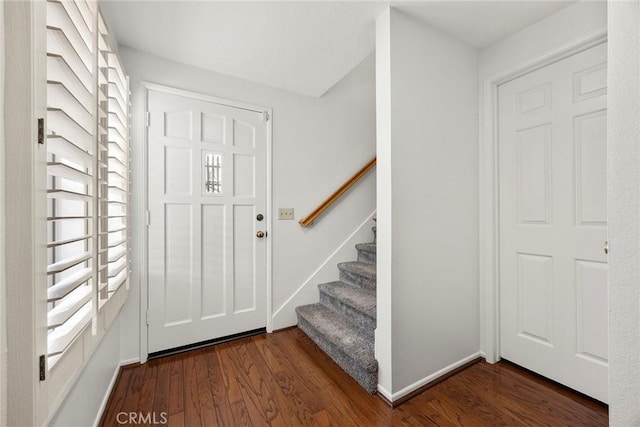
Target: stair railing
(308, 220)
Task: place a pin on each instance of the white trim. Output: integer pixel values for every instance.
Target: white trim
(107, 394)
(24, 180)
(385, 393)
(489, 250)
(112, 383)
(143, 226)
(269, 219)
(331, 261)
(426, 380)
(144, 272)
(130, 361)
(208, 98)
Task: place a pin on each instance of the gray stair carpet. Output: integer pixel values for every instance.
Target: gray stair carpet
(366, 252)
(358, 274)
(343, 323)
(355, 303)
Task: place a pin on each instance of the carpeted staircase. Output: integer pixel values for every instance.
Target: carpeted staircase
(343, 323)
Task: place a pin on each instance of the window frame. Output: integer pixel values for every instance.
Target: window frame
(32, 401)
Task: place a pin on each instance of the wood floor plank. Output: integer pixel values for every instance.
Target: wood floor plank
(218, 387)
(250, 410)
(208, 413)
(162, 392)
(176, 387)
(192, 412)
(292, 389)
(287, 398)
(176, 419)
(147, 394)
(256, 387)
(284, 379)
(319, 367)
(132, 397)
(240, 415)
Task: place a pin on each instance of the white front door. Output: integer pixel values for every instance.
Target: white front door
(207, 188)
(553, 223)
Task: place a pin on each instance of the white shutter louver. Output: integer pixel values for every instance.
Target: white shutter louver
(70, 173)
(87, 232)
(117, 191)
(103, 144)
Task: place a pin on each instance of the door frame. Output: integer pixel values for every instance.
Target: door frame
(489, 185)
(143, 210)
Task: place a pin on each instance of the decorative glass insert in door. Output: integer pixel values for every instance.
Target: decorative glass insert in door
(212, 163)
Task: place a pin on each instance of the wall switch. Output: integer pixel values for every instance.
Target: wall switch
(285, 213)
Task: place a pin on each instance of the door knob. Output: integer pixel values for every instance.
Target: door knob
(260, 234)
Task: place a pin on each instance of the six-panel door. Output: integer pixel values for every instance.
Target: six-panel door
(553, 223)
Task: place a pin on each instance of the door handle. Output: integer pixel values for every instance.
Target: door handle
(260, 234)
(606, 248)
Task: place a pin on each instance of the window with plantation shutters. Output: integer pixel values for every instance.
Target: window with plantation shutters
(87, 166)
(117, 184)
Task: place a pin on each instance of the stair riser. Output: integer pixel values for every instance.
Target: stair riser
(357, 280)
(368, 380)
(362, 320)
(366, 256)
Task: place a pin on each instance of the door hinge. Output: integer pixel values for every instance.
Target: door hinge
(147, 219)
(41, 130)
(147, 316)
(148, 118)
(43, 367)
(265, 116)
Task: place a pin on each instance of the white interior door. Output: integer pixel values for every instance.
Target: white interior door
(207, 265)
(553, 224)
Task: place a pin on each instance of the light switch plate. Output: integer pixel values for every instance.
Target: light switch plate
(285, 213)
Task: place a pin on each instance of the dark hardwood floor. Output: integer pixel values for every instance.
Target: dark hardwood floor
(284, 379)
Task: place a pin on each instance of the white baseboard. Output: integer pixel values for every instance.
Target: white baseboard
(129, 361)
(426, 380)
(105, 399)
(112, 383)
(384, 392)
(307, 293)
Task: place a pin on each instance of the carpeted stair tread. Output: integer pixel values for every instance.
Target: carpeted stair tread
(356, 302)
(367, 252)
(345, 343)
(367, 247)
(359, 274)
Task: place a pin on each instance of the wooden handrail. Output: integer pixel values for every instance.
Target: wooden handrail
(308, 220)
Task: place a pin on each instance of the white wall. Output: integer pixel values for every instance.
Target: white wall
(317, 144)
(326, 272)
(624, 212)
(89, 394)
(563, 28)
(567, 25)
(432, 269)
